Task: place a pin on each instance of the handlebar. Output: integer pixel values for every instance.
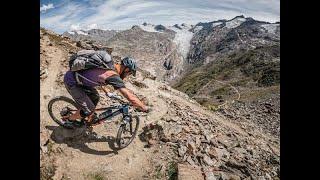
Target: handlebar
(118, 98)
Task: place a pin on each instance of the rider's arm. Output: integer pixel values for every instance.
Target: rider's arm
(118, 84)
(133, 99)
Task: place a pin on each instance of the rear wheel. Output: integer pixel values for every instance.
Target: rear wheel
(127, 132)
(62, 106)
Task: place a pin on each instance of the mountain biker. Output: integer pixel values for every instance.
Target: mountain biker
(81, 86)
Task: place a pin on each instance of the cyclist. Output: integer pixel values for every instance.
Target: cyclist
(81, 86)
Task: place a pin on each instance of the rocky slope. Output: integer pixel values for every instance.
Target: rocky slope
(96, 35)
(235, 60)
(180, 138)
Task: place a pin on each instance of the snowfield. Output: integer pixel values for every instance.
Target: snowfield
(182, 39)
(271, 28)
(235, 22)
(81, 32)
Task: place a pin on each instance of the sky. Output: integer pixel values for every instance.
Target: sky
(66, 15)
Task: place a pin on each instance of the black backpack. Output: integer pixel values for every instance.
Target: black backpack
(87, 59)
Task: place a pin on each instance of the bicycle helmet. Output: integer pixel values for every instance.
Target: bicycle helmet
(130, 63)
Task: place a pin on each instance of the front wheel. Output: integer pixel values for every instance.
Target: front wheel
(127, 132)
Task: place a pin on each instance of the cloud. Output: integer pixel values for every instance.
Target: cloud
(44, 7)
(122, 14)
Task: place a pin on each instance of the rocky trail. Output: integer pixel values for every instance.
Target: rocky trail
(178, 139)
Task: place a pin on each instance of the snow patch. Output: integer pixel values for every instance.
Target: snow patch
(235, 22)
(216, 24)
(271, 28)
(82, 32)
(182, 39)
(71, 32)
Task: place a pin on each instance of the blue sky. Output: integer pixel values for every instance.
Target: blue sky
(64, 15)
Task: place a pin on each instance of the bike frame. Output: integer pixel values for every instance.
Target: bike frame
(121, 109)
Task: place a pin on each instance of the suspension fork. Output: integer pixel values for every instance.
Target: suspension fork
(125, 112)
(126, 118)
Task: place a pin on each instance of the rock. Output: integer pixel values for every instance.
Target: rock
(239, 153)
(177, 26)
(191, 147)
(214, 142)
(186, 129)
(212, 152)
(44, 149)
(83, 45)
(220, 154)
(182, 150)
(208, 135)
(198, 141)
(234, 177)
(171, 130)
(210, 176)
(225, 141)
(107, 168)
(208, 160)
(187, 172)
(227, 176)
(190, 161)
(129, 161)
(268, 177)
(151, 142)
(160, 27)
(43, 73)
(261, 178)
(175, 119)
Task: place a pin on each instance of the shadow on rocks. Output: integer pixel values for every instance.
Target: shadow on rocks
(152, 134)
(78, 139)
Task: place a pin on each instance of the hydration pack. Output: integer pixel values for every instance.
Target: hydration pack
(87, 59)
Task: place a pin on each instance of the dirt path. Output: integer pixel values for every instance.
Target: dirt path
(48, 86)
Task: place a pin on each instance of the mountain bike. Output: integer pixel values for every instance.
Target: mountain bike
(61, 106)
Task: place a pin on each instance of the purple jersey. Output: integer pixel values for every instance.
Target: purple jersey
(94, 75)
(91, 74)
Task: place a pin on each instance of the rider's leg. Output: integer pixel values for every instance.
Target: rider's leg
(83, 101)
(93, 95)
